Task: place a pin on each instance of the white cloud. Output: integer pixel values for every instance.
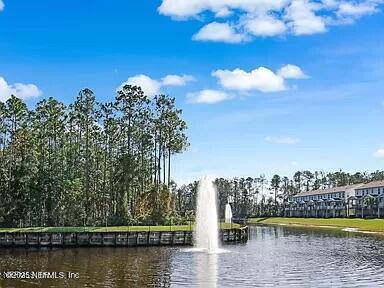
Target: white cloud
(219, 32)
(1, 5)
(265, 25)
(20, 90)
(281, 140)
(207, 97)
(149, 86)
(292, 72)
(152, 87)
(176, 80)
(223, 13)
(302, 19)
(192, 8)
(182, 9)
(241, 20)
(261, 79)
(356, 10)
(379, 153)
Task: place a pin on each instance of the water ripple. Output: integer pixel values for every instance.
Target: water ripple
(273, 257)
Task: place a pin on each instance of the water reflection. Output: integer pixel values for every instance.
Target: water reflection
(207, 270)
(97, 267)
(317, 258)
(273, 257)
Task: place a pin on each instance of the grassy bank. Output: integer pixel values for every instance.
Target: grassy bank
(372, 225)
(111, 229)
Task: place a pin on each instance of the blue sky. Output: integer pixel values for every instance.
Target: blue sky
(264, 88)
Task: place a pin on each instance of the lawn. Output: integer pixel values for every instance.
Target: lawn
(223, 226)
(374, 225)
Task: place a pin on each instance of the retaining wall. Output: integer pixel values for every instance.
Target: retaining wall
(126, 239)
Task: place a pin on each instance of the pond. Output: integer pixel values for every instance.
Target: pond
(275, 256)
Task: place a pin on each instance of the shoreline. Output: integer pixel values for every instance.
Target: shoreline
(361, 226)
(112, 229)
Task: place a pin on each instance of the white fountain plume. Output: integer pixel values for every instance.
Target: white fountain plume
(228, 213)
(207, 230)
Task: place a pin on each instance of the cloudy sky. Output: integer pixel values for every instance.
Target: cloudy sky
(265, 86)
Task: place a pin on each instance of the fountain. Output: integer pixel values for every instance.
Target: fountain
(228, 213)
(207, 230)
(228, 210)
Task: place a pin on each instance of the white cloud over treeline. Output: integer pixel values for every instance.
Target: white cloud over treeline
(152, 87)
(20, 90)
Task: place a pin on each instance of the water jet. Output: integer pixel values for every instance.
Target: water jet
(207, 229)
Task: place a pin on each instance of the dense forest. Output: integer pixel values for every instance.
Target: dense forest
(91, 163)
(88, 163)
(259, 196)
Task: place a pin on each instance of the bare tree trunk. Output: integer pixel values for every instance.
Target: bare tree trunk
(159, 162)
(169, 166)
(164, 160)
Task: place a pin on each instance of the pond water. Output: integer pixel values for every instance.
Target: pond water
(275, 256)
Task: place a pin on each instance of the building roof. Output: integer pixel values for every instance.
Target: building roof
(372, 184)
(329, 190)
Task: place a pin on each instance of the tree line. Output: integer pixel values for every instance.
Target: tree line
(93, 163)
(88, 163)
(259, 196)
